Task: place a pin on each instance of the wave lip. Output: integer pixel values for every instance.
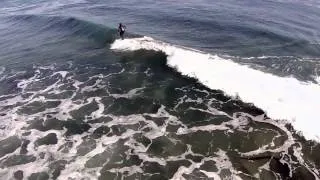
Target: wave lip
(280, 97)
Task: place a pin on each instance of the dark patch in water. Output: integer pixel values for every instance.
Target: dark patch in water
(46, 125)
(17, 160)
(277, 166)
(101, 120)
(164, 147)
(153, 168)
(9, 145)
(36, 107)
(39, 176)
(142, 139)
(98, 160)
(56, 168)
(196, 174)
(124, 106)
(302, 173)
(209, 166)
(18, 175)
(100, 131)
(86, 146)
(51, 138)
(76, 127)
(84, 110)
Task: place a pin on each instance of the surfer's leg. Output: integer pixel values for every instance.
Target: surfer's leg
(121, 35)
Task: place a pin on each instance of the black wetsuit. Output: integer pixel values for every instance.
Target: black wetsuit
(121, 30)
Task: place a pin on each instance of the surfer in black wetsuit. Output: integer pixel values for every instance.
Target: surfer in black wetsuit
(121, 30)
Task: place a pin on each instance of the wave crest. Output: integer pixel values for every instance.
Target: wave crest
(281, 97)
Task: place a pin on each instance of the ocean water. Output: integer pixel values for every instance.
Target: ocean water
(197, 90)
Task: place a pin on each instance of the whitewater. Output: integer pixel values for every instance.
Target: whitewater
(282, 98)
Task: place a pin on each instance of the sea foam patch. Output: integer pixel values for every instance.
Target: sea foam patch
(318, 79)
(280, 97)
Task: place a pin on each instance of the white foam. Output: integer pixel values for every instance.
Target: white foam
(280, 97)
(62, 73)
(130, 94)
(318, 79)
(211, 174)
(210, 127)
(130, 170)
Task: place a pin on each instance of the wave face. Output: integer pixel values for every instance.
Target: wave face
(32, 39)
(61, 26)
(281, 97)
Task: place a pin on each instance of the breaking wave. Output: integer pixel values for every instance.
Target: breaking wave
(280, 97)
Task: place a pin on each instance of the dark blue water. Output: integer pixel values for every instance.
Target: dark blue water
(72, 108)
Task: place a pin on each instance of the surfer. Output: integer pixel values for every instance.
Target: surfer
(121, 30)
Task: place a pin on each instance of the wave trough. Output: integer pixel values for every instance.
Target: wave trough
(284, 98)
